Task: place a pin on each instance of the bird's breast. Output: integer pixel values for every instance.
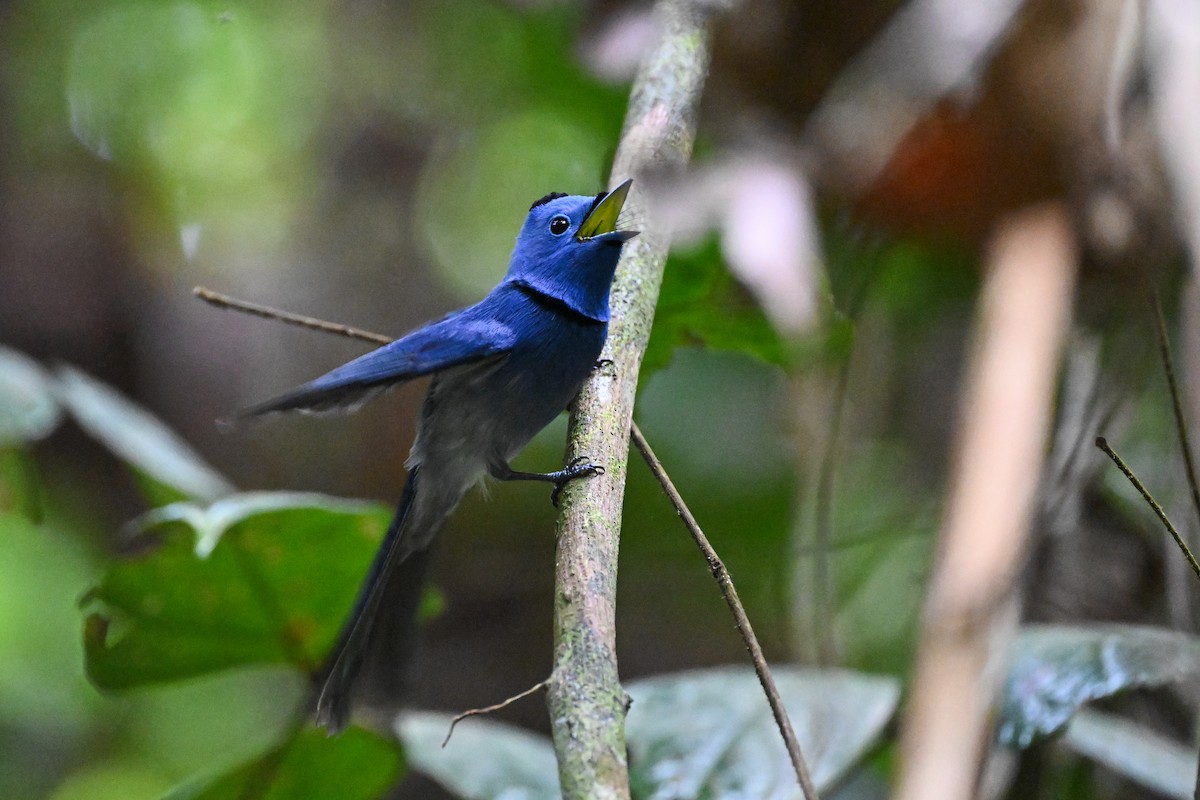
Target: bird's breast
(479, 415)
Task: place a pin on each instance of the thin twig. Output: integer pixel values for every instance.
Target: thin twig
(1102, 443)
(475, 712)
(729, 592)
(1185, 443)
(715, 565)
(225, 301)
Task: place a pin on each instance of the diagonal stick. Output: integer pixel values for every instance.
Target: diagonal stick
(729, 592)
(1102, 443)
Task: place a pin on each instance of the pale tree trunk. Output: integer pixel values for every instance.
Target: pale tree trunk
(586, 702)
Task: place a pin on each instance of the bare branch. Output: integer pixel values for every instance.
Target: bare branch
(475, 712)
(1102, 443)
(1185, 440)
(729, 592)
(971, 609)
(267, 312)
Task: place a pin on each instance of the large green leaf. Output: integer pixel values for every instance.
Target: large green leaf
(28, 409)
(253, 578)
(1056, 669)
(357, 764)
(701, 304)
(139, 438)
(710, 733)
(484, 759)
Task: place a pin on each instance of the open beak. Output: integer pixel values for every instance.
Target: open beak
(601, 222)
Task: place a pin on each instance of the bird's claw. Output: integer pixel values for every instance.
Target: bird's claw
(579, 467)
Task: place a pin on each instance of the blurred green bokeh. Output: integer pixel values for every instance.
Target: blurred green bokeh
(216, 139)
(215, 116)
(372, 162)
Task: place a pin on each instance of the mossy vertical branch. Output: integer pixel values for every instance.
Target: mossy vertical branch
(587, 705)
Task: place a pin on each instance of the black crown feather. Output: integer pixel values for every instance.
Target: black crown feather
(541, 201)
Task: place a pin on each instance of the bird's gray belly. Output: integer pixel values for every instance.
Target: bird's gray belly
(480, 416)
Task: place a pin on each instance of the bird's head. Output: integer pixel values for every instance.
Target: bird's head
(568, 249)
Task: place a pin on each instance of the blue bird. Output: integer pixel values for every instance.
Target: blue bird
(502, 370)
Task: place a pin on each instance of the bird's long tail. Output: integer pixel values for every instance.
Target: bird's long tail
(369, 663)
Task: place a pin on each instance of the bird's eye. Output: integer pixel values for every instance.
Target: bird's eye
(559, 225)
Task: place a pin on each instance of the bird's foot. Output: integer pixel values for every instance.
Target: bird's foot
(580, 467)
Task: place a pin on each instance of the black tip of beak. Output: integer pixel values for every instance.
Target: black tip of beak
(617, 237)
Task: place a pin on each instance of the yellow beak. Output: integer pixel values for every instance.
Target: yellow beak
(602, 221)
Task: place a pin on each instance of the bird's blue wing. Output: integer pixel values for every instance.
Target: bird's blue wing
(460, 338)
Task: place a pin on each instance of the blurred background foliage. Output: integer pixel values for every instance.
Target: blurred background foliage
(370, 162)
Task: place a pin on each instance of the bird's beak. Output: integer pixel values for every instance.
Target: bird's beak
(601, 222)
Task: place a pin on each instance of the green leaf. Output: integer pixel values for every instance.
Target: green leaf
(710, 733)
(42, 570)
(701, 304)
(138, 438)
(28, 409)
(156, 493)
(107, 780)
(253, 578)
(1056, 669)
(356, 764)
(1135, 751)
(484, 759)
(20, 484)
